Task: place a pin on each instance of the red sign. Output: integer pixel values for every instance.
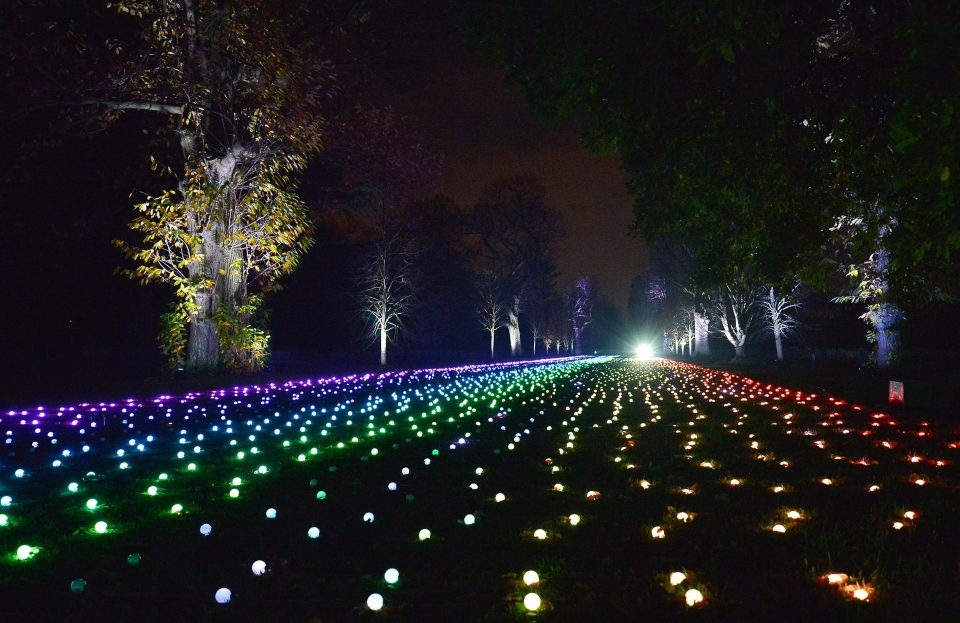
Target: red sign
(896, 391)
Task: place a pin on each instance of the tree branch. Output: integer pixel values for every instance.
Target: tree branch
(170, 109)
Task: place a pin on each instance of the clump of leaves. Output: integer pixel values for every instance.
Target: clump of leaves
(244, 343)
(173, 336)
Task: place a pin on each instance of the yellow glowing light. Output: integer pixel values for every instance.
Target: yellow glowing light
(683, 516)
(657, 532)
(779, 528)
(826, 481)
(644, 484)
(677, 577)
(911, 515)
(778, 489)
(531, 601)
(540, 534)
(862, 594)
(836, 578)
(793, 514)
(499, 497)
(574, 519)
(693, 597)
(558, 487)
(897, 525)
(531, 577)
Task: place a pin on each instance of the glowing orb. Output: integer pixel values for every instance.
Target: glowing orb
(862, 594)
(206, 529)
(25, 551)
(531, 577)
(657, 532)
(779, 528)
(258, 567)
(793, 515)
(91, 504)
(3, 520)
(392, 486)
(574, 519)
(677, 578)
(897, 525)
(176, 508)
(313, 532)
(499, 498)
(368, 517)
(423, 535)
(391, 576)
(531, 602)
(643, 352)
(73, 487)
(223, 595)
(234, 493)
(78, 586)
(540, 534)
(693, 597)
(375, 601)
(836, 578)
(469, 520)
(100, 527)
(911, 515)
(134, 559)
(152, 490)
(271, 513)
(683, 516)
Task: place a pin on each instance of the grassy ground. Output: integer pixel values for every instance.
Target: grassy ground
(651, 440)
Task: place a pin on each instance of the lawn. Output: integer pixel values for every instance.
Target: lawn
(636, 490)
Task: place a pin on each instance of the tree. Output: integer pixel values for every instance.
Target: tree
(581, 310)
(386, 289)
(778, 316)
(747, 131)
(737, 312)
(490, 308)
(240, 88)
(516, 232)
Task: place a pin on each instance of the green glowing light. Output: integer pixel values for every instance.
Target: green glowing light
(73, 487)
(91, 504)
(151, 490)
(100, 527)
(26, 551)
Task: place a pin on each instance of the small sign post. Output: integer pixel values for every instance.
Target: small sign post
(896, 392)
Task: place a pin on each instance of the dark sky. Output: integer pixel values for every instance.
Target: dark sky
(458, 102)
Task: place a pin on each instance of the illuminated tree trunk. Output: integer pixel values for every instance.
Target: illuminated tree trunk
(884, 322)
(577, 344)
(701, 329)
(383, 345)
(513, 327)
(775, 324)
(493, 333)
(203, 348)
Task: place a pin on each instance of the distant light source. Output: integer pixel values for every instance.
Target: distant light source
(375, 601)
(531, 601)
(643, 351)
(391, 576)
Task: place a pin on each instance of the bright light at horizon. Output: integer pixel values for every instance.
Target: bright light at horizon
(643, 351)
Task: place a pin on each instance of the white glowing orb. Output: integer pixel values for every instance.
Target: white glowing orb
(540, 534)
(313, 532)
(100, 527)
(643, 351)
(392, 486)
(531, 577)
(258, 567)
(424, 534)
(206, 529)
(469, 520)
(531, 601)
(271, 513)
(375, 601)
(657, 532)
(223, 595)
(693, 597)
(862, 594)
(574, 519)
(91, 504)
(176, 508)
(391, 576)
(779, 528)
(499, 497)
(677, 578)
(24, 552)
(793, 515)
(368, 517)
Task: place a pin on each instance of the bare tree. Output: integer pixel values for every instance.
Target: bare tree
(737, 311)
(517, 232)
(581, 310)
(778, 316)
(386, 289)
(490, 309)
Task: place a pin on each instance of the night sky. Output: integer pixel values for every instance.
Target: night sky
(485, 131)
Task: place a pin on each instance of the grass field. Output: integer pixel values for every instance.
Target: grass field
(664, 491)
